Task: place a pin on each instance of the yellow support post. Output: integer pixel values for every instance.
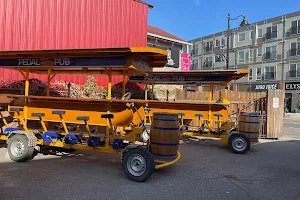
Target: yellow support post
(23, 122)
(109, 86)
(43, 125)
(146, 92)
(124, 86)
(152, 92)
(109, 98)
(26, 94)
(27, 84)
(88, 129)
(48, 82)
(64, 125)
(211, 95)
(123, 93)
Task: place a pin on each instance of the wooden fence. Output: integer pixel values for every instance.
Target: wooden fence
(269, 104)
(239, 101)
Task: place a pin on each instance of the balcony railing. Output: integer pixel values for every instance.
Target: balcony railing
(271, 35)
(269, 76)
(208, 49)
(294, 52)
(293, 74)
(270, 55)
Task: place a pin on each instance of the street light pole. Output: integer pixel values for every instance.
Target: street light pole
(243, 23)
(228, 32)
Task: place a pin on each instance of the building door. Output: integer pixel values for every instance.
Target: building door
(288, 103)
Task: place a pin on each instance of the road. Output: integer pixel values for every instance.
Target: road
(207, 170)
(291, 128)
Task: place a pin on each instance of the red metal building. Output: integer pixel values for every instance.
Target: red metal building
(72, 24)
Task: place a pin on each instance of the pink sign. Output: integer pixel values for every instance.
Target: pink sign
(185, 62)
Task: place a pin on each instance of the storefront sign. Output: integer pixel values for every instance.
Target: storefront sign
(185, 62)
(265, 86)
(292, 86)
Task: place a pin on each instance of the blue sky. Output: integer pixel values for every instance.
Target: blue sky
(190, 19)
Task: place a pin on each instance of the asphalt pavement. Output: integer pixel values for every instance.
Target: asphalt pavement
(291, 128)
(207, 170)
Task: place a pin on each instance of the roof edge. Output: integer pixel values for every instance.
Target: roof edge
(167, 38)
(141, 1)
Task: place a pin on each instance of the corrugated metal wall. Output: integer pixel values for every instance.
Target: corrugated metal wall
(65, 24)
(70, 24)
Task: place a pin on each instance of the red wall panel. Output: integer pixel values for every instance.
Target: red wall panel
(72, 24)
(12, 75)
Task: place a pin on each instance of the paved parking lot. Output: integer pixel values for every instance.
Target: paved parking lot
(207, 170)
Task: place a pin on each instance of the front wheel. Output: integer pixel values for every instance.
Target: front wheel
(18, 149)
(138, 164)
(239, 143)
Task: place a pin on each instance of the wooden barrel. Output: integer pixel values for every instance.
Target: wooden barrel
(164, 135)
(249, 124)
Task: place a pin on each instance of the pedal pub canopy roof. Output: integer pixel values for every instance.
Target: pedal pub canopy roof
(192, 77)
(116, 61)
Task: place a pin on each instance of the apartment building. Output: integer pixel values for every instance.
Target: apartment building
(270, 49)
(177, 48)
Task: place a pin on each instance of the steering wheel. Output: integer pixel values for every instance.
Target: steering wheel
(127, 96)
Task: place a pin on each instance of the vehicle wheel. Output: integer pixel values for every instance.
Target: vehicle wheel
(239, 143)
(138, 164)
(18, 149)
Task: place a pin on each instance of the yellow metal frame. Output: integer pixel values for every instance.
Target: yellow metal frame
(162, 164)
(131, 68)
(210, 120)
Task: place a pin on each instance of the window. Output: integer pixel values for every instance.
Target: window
(295, 70)
(241, 56)
(251, 35)
(209, 46)
(250, 55)
(217, 43)
(295, 27)
(218, 58)
(195, 64)
(184, 49)
(210, 61)
(295, 49)
(196, 49)
(270, 53)
(259, 52)
(259, 33)
(223, 42)
(258, 73)
(241, 37)
(250, 74)
(270, 73)
(271, 32)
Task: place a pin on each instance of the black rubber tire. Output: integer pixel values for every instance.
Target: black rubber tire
(150, 166)
(28, 151)
(241, 136)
